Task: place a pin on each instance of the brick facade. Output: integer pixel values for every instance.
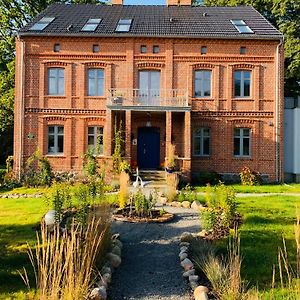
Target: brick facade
(177, 61)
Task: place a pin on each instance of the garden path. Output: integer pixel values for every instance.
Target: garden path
(150, 268)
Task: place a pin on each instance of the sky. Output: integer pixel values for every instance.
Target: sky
(145, 2)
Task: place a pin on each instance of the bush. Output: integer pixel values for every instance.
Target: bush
(204, 178)
(250, 177)
(142, 204)
(123, 195)
(187, 194)
(172, 184)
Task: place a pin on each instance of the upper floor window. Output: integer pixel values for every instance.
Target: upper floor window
(201, 142)
(143, 49)
(95, 82)
(55, 139)
(242, 82)
(56, 81)
(241, 142)
(96, 48)
(203, 50)
(202, 83)
(95, 139)
(155, 49)
(56, 48)
(243, 50)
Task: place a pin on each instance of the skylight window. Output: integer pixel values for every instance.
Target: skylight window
(42, 23)
(124, 25)
(91, 25)
(241, 26)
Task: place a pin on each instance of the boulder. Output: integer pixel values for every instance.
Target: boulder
(106, 270)
(186, 204)
(200, 293)
(163, 200)
(189, 273)
(196, 205)
(193, 285)
(184, 249)
(116, 250)
(98, 293)
(50, 218)
(184, 244)
(187, 264)
(183, 256)
(114, 259)
(107, 277)
(193, 278)
(118, 243)
(186, 237)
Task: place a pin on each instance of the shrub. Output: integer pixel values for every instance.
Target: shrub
(143, 205)
(171, 189)
(187, 194)
(37, 171)
(250, 177)
(204, 178)
(123, 195)
(90, 165)
(117, 155)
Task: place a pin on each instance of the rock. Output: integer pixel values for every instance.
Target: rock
(50, 217)
(186, 204)
(163, 200)
(196, 205)
(184, 249)
(98, 293)
(186, 237)
(106, 270)
(116, 250)
(183, 256)
(193, 278)
(189, 273)
(202, 233)
(200, 293)
(114, 259)
(118, 243)
(184, 244)
(107, 277)
(187, 264)
(193, 284)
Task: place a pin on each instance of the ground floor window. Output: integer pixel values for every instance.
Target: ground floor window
(241, 142)
(55, 139)
(95, 139)
(201, 141)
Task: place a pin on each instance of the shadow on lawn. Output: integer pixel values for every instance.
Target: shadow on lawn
(14, 256)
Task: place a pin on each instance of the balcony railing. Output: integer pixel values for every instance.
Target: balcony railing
(148, 98)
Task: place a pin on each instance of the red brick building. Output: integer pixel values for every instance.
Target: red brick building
(207, 79)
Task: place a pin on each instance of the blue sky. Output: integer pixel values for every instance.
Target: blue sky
(145, 2)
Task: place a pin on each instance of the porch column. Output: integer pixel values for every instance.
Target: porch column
(187, 146)
(108, 133)
(168, 131)
(128, 135)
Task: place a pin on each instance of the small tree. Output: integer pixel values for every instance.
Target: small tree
(117, 155)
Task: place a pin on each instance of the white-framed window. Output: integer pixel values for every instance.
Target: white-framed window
(201, 142)
(124, 25)
(56, 81)
(202, 83)
(55, 139)
(242, 142)
(242, 83)
(95, 139)
(95, 82)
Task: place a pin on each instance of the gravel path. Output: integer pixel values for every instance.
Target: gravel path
(150, 268)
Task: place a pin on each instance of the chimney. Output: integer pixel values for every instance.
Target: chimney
(117, 2)
(179, 2)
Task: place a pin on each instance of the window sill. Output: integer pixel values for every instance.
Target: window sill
(202, 156)
(203, 98)
(56, 155)
(242, 158)
(55, 96)
(95, 97)
(243, 99)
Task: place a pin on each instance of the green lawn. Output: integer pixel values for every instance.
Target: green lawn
(266, 188)
(18, 218)
(267, 220)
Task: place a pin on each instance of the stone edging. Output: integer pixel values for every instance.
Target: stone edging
(113, 261)
(163, 219)
(200, 291)
(17, 196)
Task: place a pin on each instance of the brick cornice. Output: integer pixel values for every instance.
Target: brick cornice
(233, 59)
(55, 63)
(203, 65)
(243, 114)
(149, 65)
(95, 64)
(65, 111)
(78, 56)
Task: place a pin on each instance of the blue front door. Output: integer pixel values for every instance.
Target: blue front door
(148, 148)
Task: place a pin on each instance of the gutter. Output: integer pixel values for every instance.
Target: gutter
(277, 98)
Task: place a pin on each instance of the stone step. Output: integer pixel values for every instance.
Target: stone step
(156, 176)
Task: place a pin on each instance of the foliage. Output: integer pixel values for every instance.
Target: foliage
(171, 157)
(67, 273)
(117, 155)
(125, 166)
(144, 204)
(221, 211)
(171, 188)
(284, 15)
(123, 195)
(90, 165)
(203, 178)
(187, 194)
(37, 171)
(250, 177)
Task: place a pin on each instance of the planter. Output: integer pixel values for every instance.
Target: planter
(169, 170)
(118, 100)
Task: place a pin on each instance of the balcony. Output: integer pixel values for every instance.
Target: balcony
(148, 100)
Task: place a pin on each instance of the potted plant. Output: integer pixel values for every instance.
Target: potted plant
(118, 97)
(170, 161)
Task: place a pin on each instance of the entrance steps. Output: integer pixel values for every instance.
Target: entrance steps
(153, 178)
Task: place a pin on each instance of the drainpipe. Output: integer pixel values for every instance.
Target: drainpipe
(277, 82)
(21, 116)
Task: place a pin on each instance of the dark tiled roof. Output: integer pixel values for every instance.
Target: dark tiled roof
(154, 21)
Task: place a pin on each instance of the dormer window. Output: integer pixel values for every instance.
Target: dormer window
(42, 23)
(124, 25)
(91, 25)
(241, 26)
